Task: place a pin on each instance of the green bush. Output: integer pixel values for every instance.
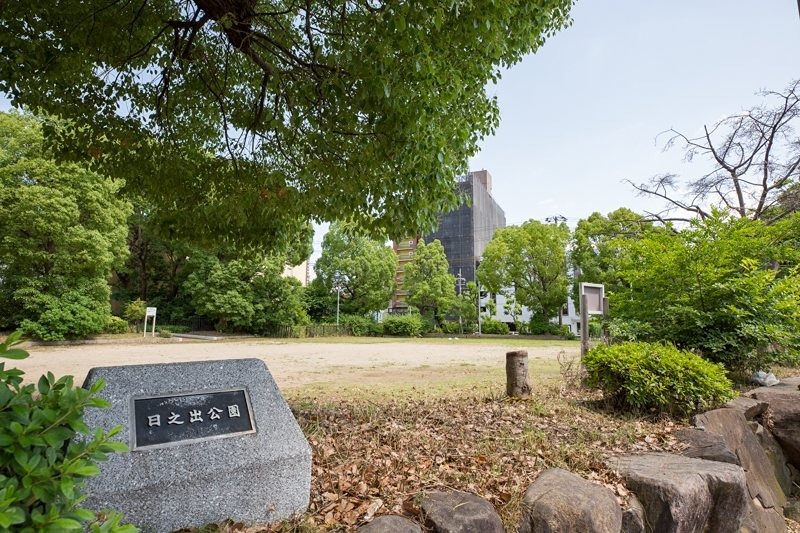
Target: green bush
(76, 313)
(135, 311)
(359, 326)
(171, 328)
(564, 331)
(410, 325)
(115, 325)
(451, 327)
(656, 377)
(42, 464)
(491, 326)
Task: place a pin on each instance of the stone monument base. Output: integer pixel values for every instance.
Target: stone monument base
(195, 460)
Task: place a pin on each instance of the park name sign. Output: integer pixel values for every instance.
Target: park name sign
(209, 441)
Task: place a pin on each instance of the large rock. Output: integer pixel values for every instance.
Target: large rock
(731, 425)
(209, 440)
(685, 494)
(460, 512)
(783, 416)
(560, 501)
(706, 445)
(776, 456)
(633, 516)
(390, 524)
(750, 407)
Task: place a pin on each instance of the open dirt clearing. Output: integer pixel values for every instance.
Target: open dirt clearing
(302, 363)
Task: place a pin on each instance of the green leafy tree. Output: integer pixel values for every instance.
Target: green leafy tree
(62, 231)
(430, 285)
(466, 307)
(362, 268)
(245, 294)
(528, 262)
(727, 288)
(596, 244)
(245, 119)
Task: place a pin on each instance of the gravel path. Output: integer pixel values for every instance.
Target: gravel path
(292, 364)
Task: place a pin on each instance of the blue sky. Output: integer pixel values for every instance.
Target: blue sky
(583, 113)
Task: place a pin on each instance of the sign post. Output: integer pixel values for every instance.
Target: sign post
(593, 302)
(150, 312)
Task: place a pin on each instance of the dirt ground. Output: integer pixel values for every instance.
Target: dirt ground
(298, 363)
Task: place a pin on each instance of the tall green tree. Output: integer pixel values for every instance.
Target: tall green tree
(596, 245)
(431, 287)
(528, 262)
(246, 293)
(246, 118)
(727, 288)
(361, 268)
(62, 231)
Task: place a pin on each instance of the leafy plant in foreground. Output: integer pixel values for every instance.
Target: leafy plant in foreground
(643, 376)
(42, 463)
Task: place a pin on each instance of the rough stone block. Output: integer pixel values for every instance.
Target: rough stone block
(459, 512)
(706, 445)
(685, 494)
(390, 524)
(562, 501)
(252, 477)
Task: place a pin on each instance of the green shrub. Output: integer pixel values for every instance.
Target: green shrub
(656, 377)
(410, 325)
(171, 328)
(135, 311)
(540, 325)
(76, 313)
(116, 325)
(376, 329)
(359, 326)
(491, 326)
(564, 331)
(42, 464)
(451, 327)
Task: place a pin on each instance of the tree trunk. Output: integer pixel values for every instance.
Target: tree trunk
(517, 374)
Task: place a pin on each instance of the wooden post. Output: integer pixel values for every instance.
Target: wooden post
(517, 374)
(584, 325)
(606, 336)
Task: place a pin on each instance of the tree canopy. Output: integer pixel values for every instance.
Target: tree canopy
(430, 285)
(246, 118)
(62, 231)
(528, 261)
(725, 287)
(362, 268)
(597, 242)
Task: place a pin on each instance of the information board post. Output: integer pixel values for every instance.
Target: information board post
(593, 302)
(150, 312)
(584, 325)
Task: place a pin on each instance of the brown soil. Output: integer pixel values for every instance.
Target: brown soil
(293, 363)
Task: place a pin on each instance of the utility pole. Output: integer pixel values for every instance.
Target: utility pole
(460, 283)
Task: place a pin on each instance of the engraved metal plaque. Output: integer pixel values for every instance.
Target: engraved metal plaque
(160, 421)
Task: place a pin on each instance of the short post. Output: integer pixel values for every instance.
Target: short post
(517, 374)
(584, 325)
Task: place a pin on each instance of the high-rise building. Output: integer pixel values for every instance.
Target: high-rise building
(465, 232)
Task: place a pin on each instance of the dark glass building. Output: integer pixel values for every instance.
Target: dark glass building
(465, 232)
